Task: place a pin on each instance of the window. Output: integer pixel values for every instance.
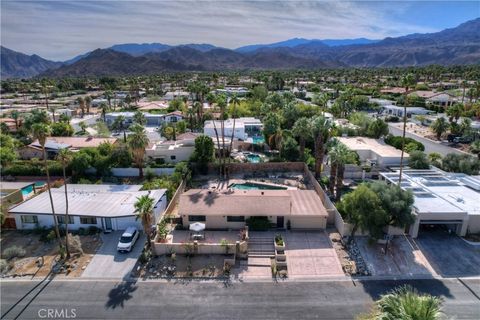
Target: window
(173, 157)
(29, 219)
(62, 220)
(235, 218)
(196, 218)
(88, 220)
(173, 119)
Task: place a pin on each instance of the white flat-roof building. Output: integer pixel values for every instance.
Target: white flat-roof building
(152, 119)
(244, 128)
(398, 111)
(451, 199)
(374, 151)
(108, 207)
(173, 151)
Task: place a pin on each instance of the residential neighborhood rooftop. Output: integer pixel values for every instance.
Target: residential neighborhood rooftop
(375, 145)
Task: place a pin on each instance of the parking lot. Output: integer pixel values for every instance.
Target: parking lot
(109, 263)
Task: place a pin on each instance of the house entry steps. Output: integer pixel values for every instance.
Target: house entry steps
(261, 247)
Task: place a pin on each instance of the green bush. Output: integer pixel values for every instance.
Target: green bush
(4, 266)
(93, 230)
(396, 142)
(258, 223)
(14, 252)
(32, 168)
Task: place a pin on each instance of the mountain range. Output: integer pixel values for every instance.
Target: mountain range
(459, 45)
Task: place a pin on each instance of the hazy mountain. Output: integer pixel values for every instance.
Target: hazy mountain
(460, 45)
(137, 49)
(347, 42)
(19, 65)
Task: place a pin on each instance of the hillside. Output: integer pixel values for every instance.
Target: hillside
(19, 65)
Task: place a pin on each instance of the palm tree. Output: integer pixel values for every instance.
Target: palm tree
(119, 125)
(15, 116)
(65, 157)
(46, 93)
(439, 126)
(320, 129)
(40, 132)
(137, 142)
(144, 210)
(234, 101)
(108, 95)
(88, 103)
(341, 156)
(301, 130)
(81, 104)
(408, 81)
(83, 126)
(104, 108)
(406, 303)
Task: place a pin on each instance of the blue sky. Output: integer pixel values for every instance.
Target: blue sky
(59, 30)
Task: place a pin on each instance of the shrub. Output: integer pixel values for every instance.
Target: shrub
(396, 142)
(75, 244)
(4, 266)
(51, 236)
(279, 240)
(93, 230)
(14, 252)
(258, 223)
(418, 160)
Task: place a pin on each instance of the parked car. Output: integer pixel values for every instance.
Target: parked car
(127, 240)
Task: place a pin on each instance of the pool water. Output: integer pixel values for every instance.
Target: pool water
(27, 190)
(258, 140)
(253, 158)
(255, 186)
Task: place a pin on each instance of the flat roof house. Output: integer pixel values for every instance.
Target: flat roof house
(441, 198)
(398, 111)
(229, 209)
(54, 144)
(108, 207)
(153, 119)
(173, 151)
(374, 151)
(244, 128)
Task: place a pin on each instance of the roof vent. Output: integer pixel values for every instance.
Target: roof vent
(263, 193)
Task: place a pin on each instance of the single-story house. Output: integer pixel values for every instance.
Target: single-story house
(230, 209)
(153, 119)
(244, 128)
(54, 144)
(108, 207)
(374, 151)
(12, 193)
(173, 151)
(441, 198)
(398, 111)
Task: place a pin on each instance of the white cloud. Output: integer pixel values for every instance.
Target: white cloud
(60, 30)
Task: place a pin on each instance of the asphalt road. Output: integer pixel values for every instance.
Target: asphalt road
(207, 300)
(430, 146)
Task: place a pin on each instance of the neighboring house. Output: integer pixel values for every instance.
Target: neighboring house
(229, 209)
(398, 111)
(55, 144)
(374, 152)
(441, 198)
(155, 120)
(108, 207)
(12, 193)
(244, 128)
(172, 95)
(173, 151)
(231, 90)
(441, 99)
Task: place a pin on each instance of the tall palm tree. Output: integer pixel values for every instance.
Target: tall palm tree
(439, 126)
(406, 303)
(104, 109)
(119, 125)
(15, 116)
(408, 81)
(65, 157)
(41, 131)
(144, 210)
(137, 142)
(81, 104)
(301, 130)
(234, 101)
(320, 129)
(340, 156)
(88, 103)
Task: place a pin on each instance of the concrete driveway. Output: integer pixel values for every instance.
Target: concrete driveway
(109, 263)
(448, 254)
(311, 254)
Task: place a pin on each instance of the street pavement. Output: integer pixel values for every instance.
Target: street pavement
(430, 146)
(106, 299)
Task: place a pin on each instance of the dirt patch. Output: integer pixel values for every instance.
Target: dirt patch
(40, 256)
(181, 266)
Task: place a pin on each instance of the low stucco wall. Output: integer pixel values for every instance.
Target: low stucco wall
(199, 248)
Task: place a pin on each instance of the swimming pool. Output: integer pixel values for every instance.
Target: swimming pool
(27, 190)
(255, 186)
(253, 158)
(258, 140)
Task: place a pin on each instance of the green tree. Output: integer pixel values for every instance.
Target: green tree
(461, 163)
(271, 125)
(439, 127)
(301, 130)
(289, 149)
(475, 148)
(65, 157)
(41, 131)
(119, 125)
(144, 211)
(378, 128)
(83, 126)
(340, 155)
(81, 104)
(418, 160)
(88, 103)
(320, 129)
(80, 162)
(104, 108)
(137, 142)
(362, 208)
(203, 152)
(139, 118)
(62, 129)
